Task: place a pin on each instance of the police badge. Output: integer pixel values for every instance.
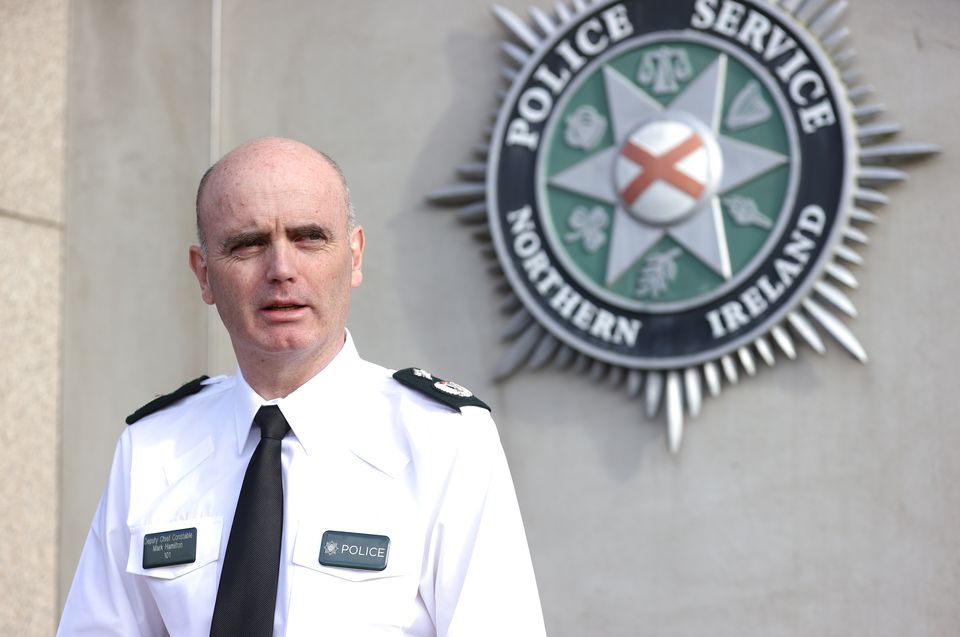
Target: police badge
(676, 189)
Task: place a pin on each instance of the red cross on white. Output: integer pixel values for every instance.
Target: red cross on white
(662, 167)
(663, 171)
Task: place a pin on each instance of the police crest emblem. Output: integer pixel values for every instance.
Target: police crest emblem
(675, 190)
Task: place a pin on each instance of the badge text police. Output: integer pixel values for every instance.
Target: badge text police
(592, 38)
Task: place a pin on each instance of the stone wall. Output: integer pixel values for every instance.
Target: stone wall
(33, 56)
(818, 498)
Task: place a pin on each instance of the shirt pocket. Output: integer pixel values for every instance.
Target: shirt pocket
(402, 556)
(208, 536)
(351, 597)
(184, 593)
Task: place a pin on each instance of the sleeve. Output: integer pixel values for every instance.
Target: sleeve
(483, 576)
(104, 598)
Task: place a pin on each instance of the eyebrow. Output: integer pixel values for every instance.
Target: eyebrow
(255, 237)
(308, 230)
(245, 238)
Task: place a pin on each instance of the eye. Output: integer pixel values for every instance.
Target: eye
(246, 245)
(249, 247)
(311, 235)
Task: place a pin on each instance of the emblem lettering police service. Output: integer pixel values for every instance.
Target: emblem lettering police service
(673, 190)
(363, 551)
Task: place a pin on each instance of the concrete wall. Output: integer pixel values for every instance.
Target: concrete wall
(32, 98)
(138, 130)
(820, 497)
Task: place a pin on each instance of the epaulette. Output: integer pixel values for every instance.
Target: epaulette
(164, 401)
(444, 391)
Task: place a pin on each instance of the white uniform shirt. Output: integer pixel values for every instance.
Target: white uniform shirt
(366, 455)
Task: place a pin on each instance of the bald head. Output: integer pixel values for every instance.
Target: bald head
(267, 154)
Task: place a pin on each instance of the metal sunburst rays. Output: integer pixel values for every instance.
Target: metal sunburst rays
(677, 392)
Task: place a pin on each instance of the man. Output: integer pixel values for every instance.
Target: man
(314, 492)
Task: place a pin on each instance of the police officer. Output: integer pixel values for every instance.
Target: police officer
(313, 492)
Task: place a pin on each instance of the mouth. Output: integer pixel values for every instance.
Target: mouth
(283, 311)
(283, 307)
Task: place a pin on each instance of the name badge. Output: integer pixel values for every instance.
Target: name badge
(354, 550)
(169, 548)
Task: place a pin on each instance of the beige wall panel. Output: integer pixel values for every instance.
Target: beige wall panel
(818, 498)
(32, 86)
(29, 418)
(33, 47)
(800, 503)
(134, 325)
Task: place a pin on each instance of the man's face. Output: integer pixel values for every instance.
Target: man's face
(280, 260)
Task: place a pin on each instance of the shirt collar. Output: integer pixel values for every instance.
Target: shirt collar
(326, 388)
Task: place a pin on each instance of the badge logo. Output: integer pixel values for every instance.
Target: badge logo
(675, 188)
(452, 388)
(346, 549)
(446, 386)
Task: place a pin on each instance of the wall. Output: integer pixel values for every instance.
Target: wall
(138, 130)
(32, 98)
(818, 498)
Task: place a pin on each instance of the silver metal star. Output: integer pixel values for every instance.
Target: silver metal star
(702, 232)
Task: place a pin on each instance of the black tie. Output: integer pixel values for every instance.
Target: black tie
(247, 596)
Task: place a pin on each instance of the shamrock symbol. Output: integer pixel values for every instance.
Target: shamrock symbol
(588, 226)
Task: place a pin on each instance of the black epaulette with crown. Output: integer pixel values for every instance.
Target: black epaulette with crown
(445, 391)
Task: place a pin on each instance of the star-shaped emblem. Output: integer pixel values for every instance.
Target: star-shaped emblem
(666, 170)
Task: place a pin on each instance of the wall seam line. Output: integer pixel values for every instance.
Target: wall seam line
(29, 219)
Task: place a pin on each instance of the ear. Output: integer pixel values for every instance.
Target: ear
(198, 263)
(356, 253)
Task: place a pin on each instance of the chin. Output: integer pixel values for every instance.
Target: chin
(293, 343)
(287, 346)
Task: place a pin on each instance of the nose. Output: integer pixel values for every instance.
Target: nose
(282, 266)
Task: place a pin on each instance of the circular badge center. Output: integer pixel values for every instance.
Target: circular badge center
(666, 168)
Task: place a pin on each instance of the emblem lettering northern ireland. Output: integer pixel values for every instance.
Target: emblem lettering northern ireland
(676, 188)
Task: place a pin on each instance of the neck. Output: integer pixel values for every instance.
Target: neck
(277, 376)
